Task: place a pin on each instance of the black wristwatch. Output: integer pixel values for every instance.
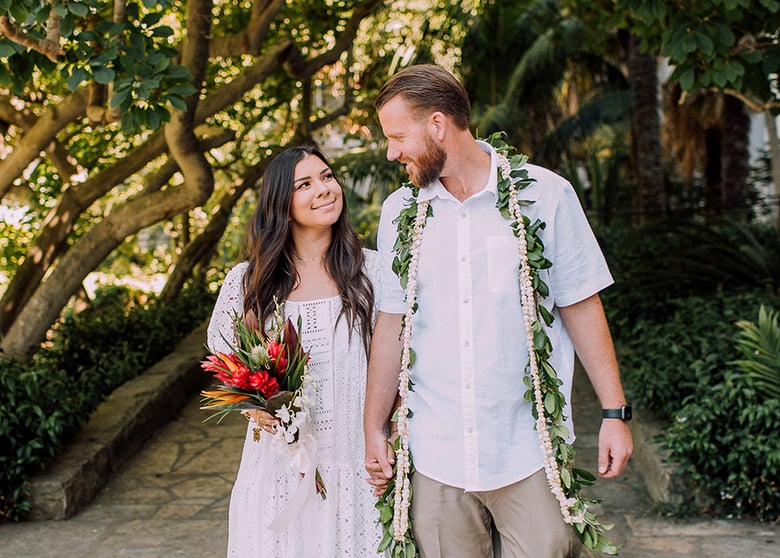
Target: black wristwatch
(624, 413)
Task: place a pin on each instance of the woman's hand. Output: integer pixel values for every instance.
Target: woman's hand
(263, 419)
(379, 476)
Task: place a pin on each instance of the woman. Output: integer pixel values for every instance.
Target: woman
(301, 249)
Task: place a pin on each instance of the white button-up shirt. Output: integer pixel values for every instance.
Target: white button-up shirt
(471, 427)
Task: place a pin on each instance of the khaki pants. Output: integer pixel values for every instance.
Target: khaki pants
(451, 523)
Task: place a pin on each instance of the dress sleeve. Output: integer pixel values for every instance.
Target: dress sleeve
(229, 303)
(371, 269)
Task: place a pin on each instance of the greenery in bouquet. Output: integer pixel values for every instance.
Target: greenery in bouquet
(266, 370)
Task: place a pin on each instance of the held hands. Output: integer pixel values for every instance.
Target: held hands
(380, 458)
(263, 419)
(615, 447)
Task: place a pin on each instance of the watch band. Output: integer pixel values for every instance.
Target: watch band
(623, 413)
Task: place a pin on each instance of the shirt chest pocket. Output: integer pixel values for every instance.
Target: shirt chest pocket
(502, 263)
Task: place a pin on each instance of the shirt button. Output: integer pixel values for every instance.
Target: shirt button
(465, 301)
(466, 343)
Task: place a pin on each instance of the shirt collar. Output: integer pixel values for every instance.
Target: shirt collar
(437, 190)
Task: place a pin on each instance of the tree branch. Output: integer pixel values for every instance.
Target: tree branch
(249, 40)
(304, 69)
(49, 47)
(179, 132)
(756, 105)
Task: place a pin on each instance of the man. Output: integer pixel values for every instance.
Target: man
(472, 437)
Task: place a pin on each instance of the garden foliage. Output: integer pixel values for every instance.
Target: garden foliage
(693, 321)
(90, 354)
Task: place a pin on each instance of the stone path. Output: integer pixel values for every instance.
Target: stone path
(171, 500)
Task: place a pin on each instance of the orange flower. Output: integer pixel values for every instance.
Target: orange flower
(219, 397)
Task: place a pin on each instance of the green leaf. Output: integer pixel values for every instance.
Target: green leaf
(103, 75)
(183, 90)
(689, 43)
(6, 50)
(59, 9)
(550, 403)
(152, 19)
(687, 79)
(120, 97)
(78, 9)
(177, 102)
(76, 77)
(704, 44)
(162, 31)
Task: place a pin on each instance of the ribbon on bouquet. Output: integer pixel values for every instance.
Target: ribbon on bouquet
(304, 459)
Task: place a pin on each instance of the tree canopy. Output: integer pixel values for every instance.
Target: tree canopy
(124, 118)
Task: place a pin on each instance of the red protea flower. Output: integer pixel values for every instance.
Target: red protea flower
(263, 382)
(278, 353)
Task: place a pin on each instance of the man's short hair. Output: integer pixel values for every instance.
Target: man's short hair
(429, 88)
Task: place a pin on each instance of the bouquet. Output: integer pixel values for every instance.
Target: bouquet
(267, 370)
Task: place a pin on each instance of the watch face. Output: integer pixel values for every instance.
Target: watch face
(627, 413)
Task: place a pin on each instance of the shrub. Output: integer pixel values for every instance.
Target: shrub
(658, 264)
(727, 446)
(88, 356)
(665, 361)
(36, 410)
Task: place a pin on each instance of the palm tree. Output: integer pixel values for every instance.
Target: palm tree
(646, 132)
(707, 135)
(553, 85)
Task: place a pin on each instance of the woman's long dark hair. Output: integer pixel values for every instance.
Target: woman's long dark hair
(269, 250)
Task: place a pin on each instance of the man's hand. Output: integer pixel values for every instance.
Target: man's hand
(615, 447)
(380, 458)
(384, 365)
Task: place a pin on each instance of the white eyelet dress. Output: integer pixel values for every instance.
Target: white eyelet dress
(346, 523)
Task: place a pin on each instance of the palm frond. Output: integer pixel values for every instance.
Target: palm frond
(759, 343)
(605, 107)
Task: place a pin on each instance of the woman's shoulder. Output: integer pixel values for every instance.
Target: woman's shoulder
(370, 256)
(234, 278)
(237, 271)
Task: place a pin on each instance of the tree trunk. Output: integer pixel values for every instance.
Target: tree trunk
(52, 240)
(774, 161)
(646, 132)
(734, 158)
(75, 199)
(43, 308)
(29, 329)
(200, 250)
(713, 174)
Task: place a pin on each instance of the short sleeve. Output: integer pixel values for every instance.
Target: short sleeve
(230, 302)
(579, 268)
(392, 296)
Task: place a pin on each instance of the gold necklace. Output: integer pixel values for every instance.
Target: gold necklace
(314, 259)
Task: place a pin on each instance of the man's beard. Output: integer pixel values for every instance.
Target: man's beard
(429, 165)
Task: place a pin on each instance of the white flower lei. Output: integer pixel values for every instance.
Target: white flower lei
(557, 456)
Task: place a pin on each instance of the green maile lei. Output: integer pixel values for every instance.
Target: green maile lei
(540, 379)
